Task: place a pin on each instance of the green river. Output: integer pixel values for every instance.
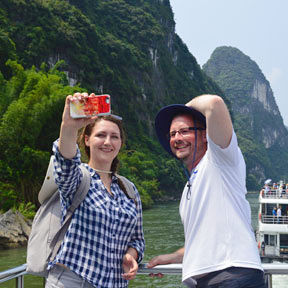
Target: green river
(163, 234)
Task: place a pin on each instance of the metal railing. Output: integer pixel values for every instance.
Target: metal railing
(268, 219)
(274, 194)
(18, 273)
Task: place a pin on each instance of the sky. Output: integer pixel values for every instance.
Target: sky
(258, 28)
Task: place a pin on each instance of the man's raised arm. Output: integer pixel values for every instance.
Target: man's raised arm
(218, 120)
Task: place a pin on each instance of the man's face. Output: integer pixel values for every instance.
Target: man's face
(183, 145)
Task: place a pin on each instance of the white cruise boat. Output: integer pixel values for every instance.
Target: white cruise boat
(272, 234)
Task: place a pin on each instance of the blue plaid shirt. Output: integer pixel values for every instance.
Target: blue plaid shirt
(103, 227)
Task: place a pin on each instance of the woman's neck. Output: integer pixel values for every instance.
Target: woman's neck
(105, 175)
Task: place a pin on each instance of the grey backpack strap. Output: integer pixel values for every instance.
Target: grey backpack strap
(77, 199)
(49, 187)
(128, 186)
(81, 191)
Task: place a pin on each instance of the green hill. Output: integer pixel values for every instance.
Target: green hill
(127, 49)
(262, 136)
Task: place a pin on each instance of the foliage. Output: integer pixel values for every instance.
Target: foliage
(7, 50)
(36, 97)
(252, 183)
(26, 209)
(140, 169)
(234, 72)
(8, 197)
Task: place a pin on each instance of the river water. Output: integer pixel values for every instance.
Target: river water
(163, 234)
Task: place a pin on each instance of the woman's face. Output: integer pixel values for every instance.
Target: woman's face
(104, 142)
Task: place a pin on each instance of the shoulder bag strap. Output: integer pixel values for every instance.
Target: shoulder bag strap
(49, 187)
(128, 187)
(77, 199)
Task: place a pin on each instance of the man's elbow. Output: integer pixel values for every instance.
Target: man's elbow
(217, 103)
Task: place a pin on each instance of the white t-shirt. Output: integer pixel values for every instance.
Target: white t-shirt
(217, 217)
(279, 212)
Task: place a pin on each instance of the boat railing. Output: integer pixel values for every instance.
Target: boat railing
(16, 273)
(274, 194)
(270, 269)
(270, 219)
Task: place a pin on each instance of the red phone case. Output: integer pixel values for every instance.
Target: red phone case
(91, 106)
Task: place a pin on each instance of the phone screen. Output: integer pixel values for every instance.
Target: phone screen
(91, 106)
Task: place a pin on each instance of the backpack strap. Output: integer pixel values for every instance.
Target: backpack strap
(81, 191)
(77, 199)
(49, 187)
(127, 187)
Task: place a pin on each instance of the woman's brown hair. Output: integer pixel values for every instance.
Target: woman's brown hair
(88, 130)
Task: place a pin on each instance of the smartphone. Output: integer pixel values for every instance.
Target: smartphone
(91, 106)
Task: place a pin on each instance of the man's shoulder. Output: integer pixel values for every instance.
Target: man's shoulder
(230, 155)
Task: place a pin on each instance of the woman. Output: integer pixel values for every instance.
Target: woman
(104, 242)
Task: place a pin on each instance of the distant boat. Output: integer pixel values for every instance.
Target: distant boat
(272, 233)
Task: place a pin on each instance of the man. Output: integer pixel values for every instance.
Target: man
(279, 214)
(274, 213)
(266, 190)
(220, 248)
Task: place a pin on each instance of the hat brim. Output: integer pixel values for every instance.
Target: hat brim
(164, 118)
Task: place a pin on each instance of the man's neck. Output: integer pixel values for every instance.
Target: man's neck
(190, 166)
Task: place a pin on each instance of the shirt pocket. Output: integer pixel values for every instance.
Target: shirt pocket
(128, 211)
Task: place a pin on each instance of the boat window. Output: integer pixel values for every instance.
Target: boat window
(267, 209)
(270, 240)
(284, 244)
(284, 240)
